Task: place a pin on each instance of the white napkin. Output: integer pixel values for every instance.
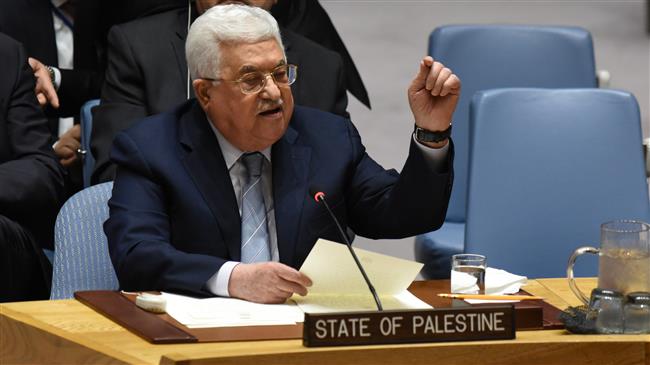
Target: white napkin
(497, 282)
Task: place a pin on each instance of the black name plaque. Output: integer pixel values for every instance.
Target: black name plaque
(495, 322)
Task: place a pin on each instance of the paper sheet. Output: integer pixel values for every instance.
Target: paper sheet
(339, 285)
(497, 282)
(229, 312)
(322, 303)
(333, 270)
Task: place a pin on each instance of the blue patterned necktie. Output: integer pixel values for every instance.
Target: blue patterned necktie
(254, 232)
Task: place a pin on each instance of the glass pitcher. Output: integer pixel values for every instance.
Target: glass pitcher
(624, 258)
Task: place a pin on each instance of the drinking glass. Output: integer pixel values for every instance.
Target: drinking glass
(637, 313)
(609, 309)
(468, 274)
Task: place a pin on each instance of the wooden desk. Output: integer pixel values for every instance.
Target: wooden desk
(67, 332)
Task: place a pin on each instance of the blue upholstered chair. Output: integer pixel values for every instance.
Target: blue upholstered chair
(81, 259)
(88, 161)
(488, 57)
(546, 168)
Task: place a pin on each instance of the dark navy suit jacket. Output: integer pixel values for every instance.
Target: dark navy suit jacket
(174, 218)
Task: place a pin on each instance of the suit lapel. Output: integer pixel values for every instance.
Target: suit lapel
(204, 162)
(290, 172)
(293, 57)
(178, 44)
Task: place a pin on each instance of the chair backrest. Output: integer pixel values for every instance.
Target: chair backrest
(88, 163)
(547, 167)
(81, 258)
(500, 56)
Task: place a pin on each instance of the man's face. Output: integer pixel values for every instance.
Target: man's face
(203, 5)
(251, 122)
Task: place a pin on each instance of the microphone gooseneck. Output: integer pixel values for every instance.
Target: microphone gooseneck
(319, 196)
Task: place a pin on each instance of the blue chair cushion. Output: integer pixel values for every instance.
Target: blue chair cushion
(81, 258)
(435, 249)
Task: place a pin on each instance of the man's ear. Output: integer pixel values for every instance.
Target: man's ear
(201, 88)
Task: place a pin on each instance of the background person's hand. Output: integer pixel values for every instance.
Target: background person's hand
(67, 146)
(267, 282)
(433, 95)
(45, 90)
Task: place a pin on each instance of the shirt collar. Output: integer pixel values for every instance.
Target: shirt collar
(231, 153)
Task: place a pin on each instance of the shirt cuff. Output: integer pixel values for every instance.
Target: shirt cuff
(218, 283)
(57, 78)
(435, 157)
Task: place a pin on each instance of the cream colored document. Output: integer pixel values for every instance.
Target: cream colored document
(338, 285)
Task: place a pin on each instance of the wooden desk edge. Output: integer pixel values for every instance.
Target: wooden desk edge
(27, 329)
(623, 352)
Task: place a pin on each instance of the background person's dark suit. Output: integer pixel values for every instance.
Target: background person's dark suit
(147, 74)
(309, 19)
(30, 22)
(31, 181)
(174, 218)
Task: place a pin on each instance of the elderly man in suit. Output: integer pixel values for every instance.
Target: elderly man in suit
(31, 181)
(147, 74)
(212, 198)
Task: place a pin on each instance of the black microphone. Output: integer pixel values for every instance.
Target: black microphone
(319, 196)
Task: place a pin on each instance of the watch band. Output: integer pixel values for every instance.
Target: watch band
(425, 135)
(50, 70)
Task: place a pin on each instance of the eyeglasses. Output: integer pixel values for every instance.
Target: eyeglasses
(253, 82)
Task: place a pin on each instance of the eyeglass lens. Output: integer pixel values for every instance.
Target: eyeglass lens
(255, 81)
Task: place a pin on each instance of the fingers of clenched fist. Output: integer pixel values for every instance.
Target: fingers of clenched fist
(439, 80)
(67, 146)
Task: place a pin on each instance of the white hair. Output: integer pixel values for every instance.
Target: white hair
(225, 23)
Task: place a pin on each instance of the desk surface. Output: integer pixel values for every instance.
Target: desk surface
(68, 332)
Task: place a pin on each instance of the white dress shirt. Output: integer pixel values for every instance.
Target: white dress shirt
(65, 53)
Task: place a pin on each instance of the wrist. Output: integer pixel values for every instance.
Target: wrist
(435, 145)
(232, 280)
(434, 139)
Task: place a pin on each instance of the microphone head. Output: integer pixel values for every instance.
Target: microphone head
(316, 193)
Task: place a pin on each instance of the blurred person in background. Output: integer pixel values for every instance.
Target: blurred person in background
(65, 44)
(31, 181)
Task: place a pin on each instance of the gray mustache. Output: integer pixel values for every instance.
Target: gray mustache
(270, 104)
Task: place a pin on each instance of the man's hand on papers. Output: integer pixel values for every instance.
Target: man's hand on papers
(267, 282)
